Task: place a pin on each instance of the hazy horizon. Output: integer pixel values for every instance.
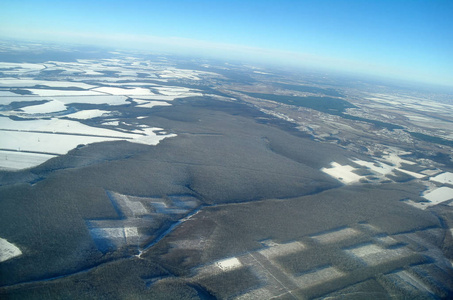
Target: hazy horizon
(406, 40)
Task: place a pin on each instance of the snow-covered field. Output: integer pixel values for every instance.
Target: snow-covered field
(446, 177)
(56, 125)
(14, 82)
(394, 159)
(90, 99)
(46, 142)
(7, 94)
(122, 91)
(121, 233)
(378, 167)
(20, 68)
(414, 281)
(229, 264)
(5, 100)
(439, 195)
(335, 236)
(87, 114)
(342, 173)
(94, 99)
(282, 249)
(149, 104)
(49, 127)
(158, 97)
(53, 92)
(413, 174)
(374, 255)
(111, 123)
(318, 276)
(48, 107)
(8, 250)
(58, 136)
(14, 160)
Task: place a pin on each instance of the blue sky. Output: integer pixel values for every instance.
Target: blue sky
(398, 39)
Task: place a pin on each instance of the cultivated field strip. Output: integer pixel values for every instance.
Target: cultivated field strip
(382, 254)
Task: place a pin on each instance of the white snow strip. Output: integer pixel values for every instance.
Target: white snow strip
(8, 250)
(158, 97)
(413, 174)
(121, 91)
(7, 93)
(335, 236)
(282, 249)
(47, 93)
(28, 66)
(88, 114)
(374, 255)
(46, 142)
(94, 99)
(13, 82)
(13, 160)
(150, 104)
(318, 277)
(60, 126)
(48, 107)
(91, 72)
(111, 123)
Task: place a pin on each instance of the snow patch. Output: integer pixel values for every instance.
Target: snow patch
(47, 93)
(446, 177)
(94, 99)
(13, 82)
(58, 136)
(121, 91)
(282, 249)
(229, 264)
(318, 276)
(150, 137)
(374, 255)
(413, 174)
(377, 167)
(111, 123)
(88, 114)
(335, 236)
(8, 250)
(439, 195)
(149, 104)
(14, 160)
(48, 107)
(342, 173)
